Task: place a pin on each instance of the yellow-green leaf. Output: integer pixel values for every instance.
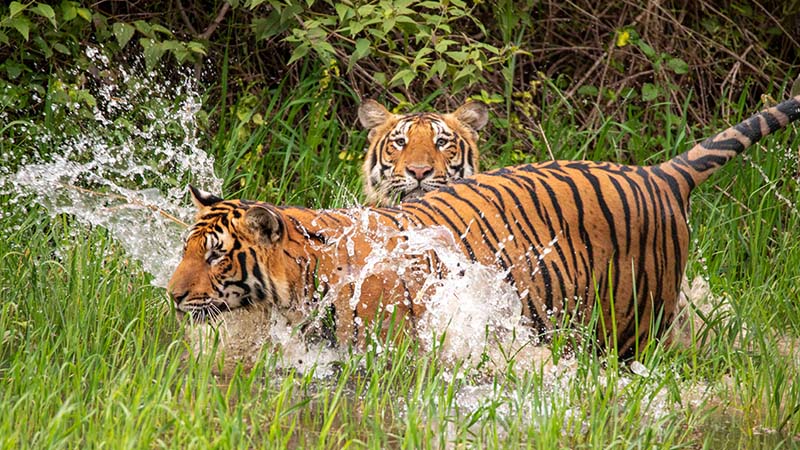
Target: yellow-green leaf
(649, 92)
(678, 66)
(85, 14)
(15, 8)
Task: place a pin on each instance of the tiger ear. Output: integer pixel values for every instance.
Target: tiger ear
(265, 224)
(472, 114)
(372, 114)
(202, 199)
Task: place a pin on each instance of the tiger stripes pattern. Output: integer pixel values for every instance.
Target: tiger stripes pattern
(571, 236)
(411, 154)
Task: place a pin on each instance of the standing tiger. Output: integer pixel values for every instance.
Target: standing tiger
(569, 236)
(411, 154)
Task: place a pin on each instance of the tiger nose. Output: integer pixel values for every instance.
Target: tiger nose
(419, 172)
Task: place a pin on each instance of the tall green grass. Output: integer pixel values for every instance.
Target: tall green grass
(92, 355)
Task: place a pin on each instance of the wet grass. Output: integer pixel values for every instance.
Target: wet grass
(91, 354)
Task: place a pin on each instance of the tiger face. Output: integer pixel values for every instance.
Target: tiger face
(411, 154)
(220, 270)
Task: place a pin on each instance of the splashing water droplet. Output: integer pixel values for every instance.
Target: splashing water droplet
(127, 171)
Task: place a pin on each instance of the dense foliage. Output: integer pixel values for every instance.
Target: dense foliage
(615, 55)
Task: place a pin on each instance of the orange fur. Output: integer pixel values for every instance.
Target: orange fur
(572, 237)
(410, 154)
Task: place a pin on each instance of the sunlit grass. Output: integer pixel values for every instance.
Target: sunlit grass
(91, 354)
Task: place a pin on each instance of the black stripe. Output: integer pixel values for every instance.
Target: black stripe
(480, 220)
(791, 108)
(708, 162)
(730, 144)
(453, 228)
(673, 187)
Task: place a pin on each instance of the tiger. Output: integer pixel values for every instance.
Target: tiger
(573, 238)
(410, 154)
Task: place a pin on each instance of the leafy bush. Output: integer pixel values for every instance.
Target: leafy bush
(613, 61)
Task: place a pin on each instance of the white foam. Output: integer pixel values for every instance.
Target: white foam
(127, 174)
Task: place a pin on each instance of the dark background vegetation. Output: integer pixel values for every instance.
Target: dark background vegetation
(598, 61)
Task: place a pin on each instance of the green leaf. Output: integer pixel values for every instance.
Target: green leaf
(343, 11)
(85, 14)
(423, 52)
(267, 27)
(48, 53)
(299, 52)
(365, 10)
(442, 45)
(3, 37)
(362, 48)
(171, 45)
(144, 28)
(355, 27)
(47, 12)
(407, 20)
(161, 29)
(13, 69)
(678, 66)
(324, 49)
(123, 32)
(457, 56)
(464, 72)
(68, 11)
(795, 91)
(61, 48)
(438, 68)
(22, 25)
(253, 4)
(649, 92)
(388, 24)
(401, 75)
(180, 52)
(15, 8)
(646, 49)
(588, 90)
(196, 47)
(152, 52)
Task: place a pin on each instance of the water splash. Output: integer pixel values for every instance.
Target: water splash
(471, 313)
(141, 131)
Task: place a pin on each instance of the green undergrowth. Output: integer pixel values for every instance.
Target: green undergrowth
(92, 355)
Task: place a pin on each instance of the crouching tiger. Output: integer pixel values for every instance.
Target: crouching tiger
(411, 154)
(567, 234)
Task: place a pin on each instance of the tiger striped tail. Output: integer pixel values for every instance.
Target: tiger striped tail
(698, 163)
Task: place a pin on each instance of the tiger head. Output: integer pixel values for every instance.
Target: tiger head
(220, 269)
(410, 154)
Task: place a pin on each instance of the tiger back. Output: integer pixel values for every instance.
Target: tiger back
(576, 239)
(411, 154)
